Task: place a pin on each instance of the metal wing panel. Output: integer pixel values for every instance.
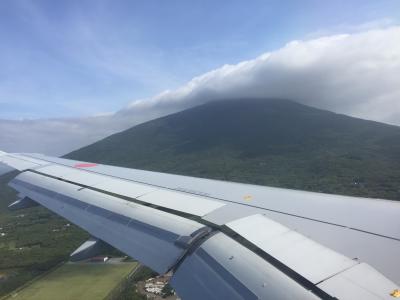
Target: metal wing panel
(360, 282)
(187, 203)
(142, 232)
(351, 212)
(306, 257)
(191, 204)
(221, 268)
(19, 162)
(92, 179)
(72, 174)
(180, 225)
(377, 251)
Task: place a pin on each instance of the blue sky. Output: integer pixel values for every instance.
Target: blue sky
(78, 58)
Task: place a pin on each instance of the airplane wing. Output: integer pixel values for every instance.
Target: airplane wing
(223, 240)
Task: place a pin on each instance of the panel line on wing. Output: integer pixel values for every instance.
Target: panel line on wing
(176, 200)
(228, 201)
(316, 220)
(307, 257)
(111, 219)
(223, 200)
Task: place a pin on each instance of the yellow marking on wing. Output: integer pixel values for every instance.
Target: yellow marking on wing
(395, 294)
(248, 197)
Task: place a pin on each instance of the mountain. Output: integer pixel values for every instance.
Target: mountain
(263, 141)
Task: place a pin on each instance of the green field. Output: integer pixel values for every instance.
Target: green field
(77, 281)
(34, 241)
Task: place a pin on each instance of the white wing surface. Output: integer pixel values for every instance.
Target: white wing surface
(223, 239)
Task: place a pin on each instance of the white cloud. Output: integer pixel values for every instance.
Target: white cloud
(356, 74)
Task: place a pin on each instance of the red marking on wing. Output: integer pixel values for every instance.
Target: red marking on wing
(85, 165)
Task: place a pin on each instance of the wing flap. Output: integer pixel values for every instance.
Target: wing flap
(221, 268)
(301, 254)
(144, 233)
(359, 282)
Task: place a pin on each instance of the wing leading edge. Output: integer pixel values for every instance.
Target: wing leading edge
(218, 246)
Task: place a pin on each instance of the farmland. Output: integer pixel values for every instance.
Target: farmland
(83, 281)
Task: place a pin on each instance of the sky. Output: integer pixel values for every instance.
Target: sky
(72, 72)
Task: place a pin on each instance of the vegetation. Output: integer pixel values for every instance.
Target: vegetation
(84, 281)
(129, 291)
(267, 142)
(167, 291)
(31, 241)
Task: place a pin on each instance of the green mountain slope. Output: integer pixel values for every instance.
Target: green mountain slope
(263, 141)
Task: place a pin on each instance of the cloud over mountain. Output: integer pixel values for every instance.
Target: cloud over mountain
(355, 74)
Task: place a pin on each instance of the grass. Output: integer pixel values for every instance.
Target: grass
(34, 241)
(77, 281)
